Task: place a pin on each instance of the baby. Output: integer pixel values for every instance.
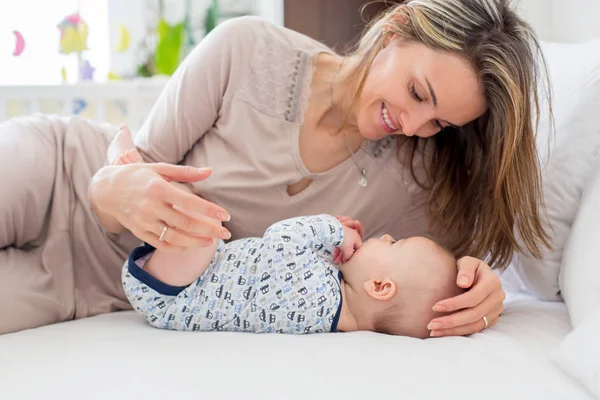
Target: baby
(305, 275)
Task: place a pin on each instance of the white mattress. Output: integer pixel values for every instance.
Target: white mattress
(118, 356)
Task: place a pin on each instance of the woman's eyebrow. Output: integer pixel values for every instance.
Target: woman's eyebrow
(432, 93)
(435, 102)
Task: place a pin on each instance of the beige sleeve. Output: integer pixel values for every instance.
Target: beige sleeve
(191, 102)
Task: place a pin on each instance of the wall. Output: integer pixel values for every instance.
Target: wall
(563, 20)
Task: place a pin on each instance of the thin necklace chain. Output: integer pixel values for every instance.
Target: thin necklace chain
(363, 172)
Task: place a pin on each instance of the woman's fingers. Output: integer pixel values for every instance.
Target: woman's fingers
(468, 316)
(466, 300)
(473, 327)
(178, 239)
(180, 173)
(187, 224)
(190, 202)
(485, 283)
(467, 269)
(154, 241)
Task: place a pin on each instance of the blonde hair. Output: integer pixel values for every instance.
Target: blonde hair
(490, 165)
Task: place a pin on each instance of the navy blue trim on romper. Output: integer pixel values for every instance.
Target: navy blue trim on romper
(144, 277)
(336, 317)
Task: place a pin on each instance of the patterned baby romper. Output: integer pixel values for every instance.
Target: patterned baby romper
(285, 282)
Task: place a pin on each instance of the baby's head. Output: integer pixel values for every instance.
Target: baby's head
(391, 286)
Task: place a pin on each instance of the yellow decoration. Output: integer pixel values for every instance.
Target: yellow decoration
(73, 34)
(63, 73)
(113, 77)
(124, 39)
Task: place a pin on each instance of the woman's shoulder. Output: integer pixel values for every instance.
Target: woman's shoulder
(255, 31)
(279, 67)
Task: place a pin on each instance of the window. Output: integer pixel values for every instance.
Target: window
(37, 20)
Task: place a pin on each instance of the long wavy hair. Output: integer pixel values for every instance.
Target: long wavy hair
(483, 179)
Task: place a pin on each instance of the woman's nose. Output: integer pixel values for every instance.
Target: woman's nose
(413, 123)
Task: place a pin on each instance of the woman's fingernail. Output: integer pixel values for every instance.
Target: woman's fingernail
(205, 169)
(434, 334)
(439, 308)
(463, 280)
(225, 235)
(223, 216)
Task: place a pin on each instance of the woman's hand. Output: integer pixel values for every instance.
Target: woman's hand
(141, 199)
(484, 298)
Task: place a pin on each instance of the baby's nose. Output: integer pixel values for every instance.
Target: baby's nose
(387, 238)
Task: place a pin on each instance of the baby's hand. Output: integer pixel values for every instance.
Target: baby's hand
(352, 242)
(352, 223)
(131, 156)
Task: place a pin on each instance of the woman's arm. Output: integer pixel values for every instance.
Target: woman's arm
(137, 197)
(192, 100)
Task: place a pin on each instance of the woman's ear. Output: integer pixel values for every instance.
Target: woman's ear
(380, 289)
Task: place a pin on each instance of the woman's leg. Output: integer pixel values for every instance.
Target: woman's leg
(31, 293)
(27, 170)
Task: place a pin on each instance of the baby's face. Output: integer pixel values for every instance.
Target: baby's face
(386, 256)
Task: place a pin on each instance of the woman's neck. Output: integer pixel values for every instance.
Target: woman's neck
(332, 93)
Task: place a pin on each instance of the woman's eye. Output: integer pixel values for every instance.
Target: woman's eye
(415, 95)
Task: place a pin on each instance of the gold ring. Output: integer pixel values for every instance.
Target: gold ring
(162, 233)
(485, 322)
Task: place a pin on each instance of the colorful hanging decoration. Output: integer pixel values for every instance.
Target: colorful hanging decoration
(73, 34)
(19, 44)
(124, 39)
(73, 40)
(86, 71)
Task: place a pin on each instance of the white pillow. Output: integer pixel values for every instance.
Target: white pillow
(579, 354)
(580, 272)
(575, 75)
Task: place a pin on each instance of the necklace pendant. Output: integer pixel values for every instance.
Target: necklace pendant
(363, 179)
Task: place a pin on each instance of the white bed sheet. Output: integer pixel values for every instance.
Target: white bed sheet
(118, 356)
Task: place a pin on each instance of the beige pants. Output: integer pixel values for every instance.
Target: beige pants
(56, 263)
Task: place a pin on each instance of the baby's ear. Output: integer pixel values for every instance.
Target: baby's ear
(380, 289)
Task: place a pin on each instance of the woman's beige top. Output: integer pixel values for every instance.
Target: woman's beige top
(237, 104)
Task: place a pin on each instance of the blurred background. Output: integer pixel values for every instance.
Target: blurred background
(109, 59)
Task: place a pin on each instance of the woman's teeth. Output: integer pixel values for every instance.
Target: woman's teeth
(387, 120)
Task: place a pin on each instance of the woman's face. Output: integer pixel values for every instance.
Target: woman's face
(414, 90)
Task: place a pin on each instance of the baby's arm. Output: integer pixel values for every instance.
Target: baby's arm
(183, 267)
(320, 234)
(163, 306)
